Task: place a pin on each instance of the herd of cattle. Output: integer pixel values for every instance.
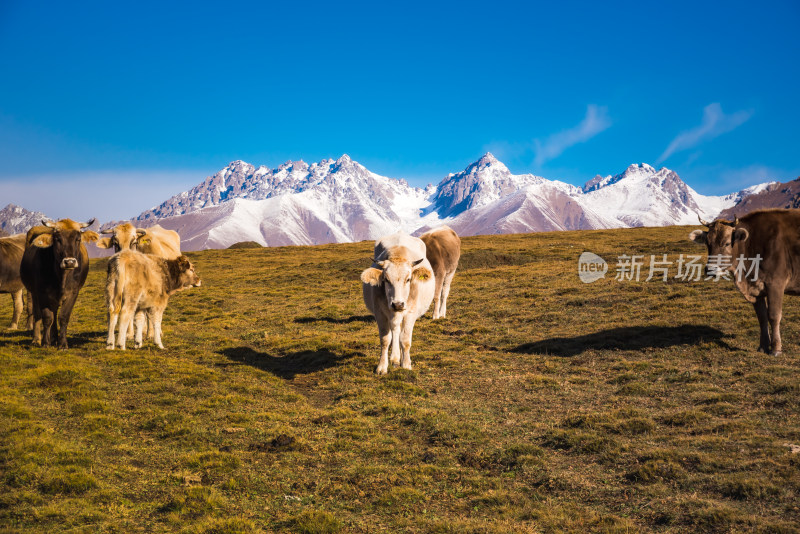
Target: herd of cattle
(406, 276)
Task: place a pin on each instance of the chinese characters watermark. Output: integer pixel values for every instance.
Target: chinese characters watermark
(688, 267)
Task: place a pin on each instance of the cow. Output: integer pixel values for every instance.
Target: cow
(154, 240)
(443, 249)
(11, 250)
(398, 289)
(762, 250)
(141, 284)
(53, 269)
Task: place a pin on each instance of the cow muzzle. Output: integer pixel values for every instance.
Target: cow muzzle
(398, 306)
(69, 263)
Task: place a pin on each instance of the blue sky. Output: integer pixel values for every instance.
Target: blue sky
(107, 108)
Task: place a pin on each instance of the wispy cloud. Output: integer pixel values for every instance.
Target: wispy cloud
(595, 121)
(714, 124)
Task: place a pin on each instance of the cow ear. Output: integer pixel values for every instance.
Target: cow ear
(422, 273)
(43, 241)
(698, 236)
(103, 243)
(740, 234)
(89, 236)
(372, 276)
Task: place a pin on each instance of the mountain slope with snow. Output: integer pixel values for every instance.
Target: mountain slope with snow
(340, 200)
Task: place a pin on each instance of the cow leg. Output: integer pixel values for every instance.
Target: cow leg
(156, 316)
(125, 317)
(131, 333)
(16, 297)
(29, 310)
(48, 321)
(397, 327)
(385, 333)
(138, 322)
(36, 315)
(405, 340)
(437, 296)
(64, 315)
(760, 306)
(775, 311)
(446, 292)
(113, 318)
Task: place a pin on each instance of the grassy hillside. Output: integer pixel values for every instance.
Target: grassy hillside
(541, 404)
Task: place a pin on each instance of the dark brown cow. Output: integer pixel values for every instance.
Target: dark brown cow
(53, 269)
(443, 249)
(768, 241)
(11, 250)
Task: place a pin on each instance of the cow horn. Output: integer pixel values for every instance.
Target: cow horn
(48, 223)
(107, 231)
(735, 220)
(704, 223)
(140, 232)
(417, 262)
(84, 225)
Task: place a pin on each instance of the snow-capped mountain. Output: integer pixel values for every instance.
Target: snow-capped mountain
(17, 220)
(340, 200)
(327, 202)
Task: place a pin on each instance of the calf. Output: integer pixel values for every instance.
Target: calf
(398, 289)
(53, 269)
(139, 285)
(443, 249)
(11, 251)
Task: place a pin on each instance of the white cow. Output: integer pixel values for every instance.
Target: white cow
(398, 289)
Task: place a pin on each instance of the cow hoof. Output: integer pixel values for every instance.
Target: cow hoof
(109, 346)
(775, 353)
(379, 371)
(407, 367)
(137, 345)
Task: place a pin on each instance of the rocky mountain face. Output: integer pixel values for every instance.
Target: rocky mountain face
(340, 200)
(17, 220)
(773, 195)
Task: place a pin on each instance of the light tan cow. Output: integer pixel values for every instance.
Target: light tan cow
(443, 249)
(154, 240)
(140, 285)
(398, 289)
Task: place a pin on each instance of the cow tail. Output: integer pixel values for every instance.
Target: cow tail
(114, 288)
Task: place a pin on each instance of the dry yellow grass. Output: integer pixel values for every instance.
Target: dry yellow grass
(541, 404)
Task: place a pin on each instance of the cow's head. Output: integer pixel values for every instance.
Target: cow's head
(64, 238)
(720, 240)
(396, 274)
(183, 274)
(124, 236)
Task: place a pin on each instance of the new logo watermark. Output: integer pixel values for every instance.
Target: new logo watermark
(591, 267)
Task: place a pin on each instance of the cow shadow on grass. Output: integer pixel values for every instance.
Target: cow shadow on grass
(336, 320)
(24, 338)
(289, 365)
(626, 338)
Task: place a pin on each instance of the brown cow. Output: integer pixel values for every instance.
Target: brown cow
(53, 269)
(443, 249)
(140, 284)
(762, 251)
(11, 250)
